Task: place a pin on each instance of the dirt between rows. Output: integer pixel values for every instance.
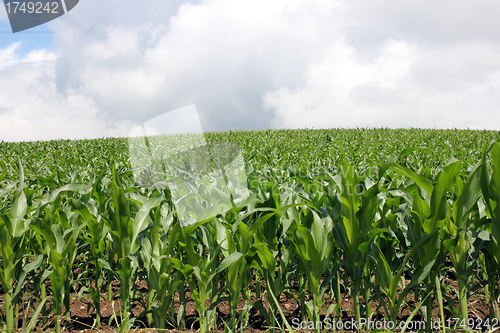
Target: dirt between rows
(83, 314)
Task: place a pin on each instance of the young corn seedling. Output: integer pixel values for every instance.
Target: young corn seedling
(240, 239)
(353, 231)
(237, 274)
(314, 247)
(202, 272)
(466, 219)
(427, 216)
(58, 238)
(266, 265)
(13, 246)
(95, 234)
(490, 188)
(157, 249)
(125, 232)
(388, 282)
(274, 286)
(62, 254)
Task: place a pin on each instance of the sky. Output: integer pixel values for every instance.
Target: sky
(106, 67)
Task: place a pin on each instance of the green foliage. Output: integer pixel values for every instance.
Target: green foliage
(368, 209)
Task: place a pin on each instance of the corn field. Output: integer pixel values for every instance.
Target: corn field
(383, 218)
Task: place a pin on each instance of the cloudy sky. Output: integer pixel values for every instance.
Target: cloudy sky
(108, 66)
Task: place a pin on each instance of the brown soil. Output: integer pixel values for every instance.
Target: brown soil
(83, 312)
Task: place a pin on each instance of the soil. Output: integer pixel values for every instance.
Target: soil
(83, 312)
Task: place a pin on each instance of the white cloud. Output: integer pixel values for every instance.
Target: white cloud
(31, 108)
(441, 22)
(405, 86)
(257, 64)
(220, 55)
(401, 65)
(9, 57)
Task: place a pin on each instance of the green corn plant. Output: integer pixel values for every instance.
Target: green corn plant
(125, 232)
(12, 250)
(157, 248)
(41, 249)
(311, 191)
(237, 274)
(262, 231)
(427, 216)
(388, 281)
(274, 286)
(15, 237)
(490, 188)
(52, 231)
(240, 238)
(63, 246)
(266, 262)
(314, 247)
(95, 234)
(353, 231)
(111, 266)
(202, 271)
(463, 230)
(97, 201)
(28, 328)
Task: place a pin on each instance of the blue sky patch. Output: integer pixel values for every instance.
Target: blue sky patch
(37, 38)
